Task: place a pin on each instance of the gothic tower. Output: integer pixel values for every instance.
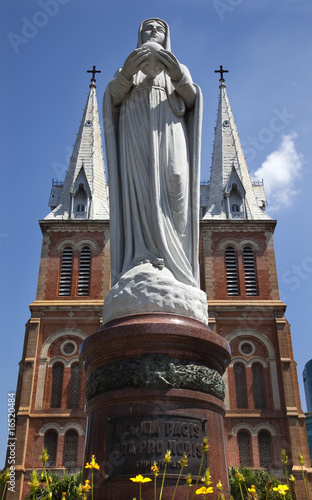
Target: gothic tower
(74, 278)
(238, 273)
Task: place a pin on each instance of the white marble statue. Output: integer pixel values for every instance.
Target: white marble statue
(152, 122)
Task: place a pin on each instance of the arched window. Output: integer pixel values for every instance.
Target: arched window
(240, 385)
(80, 207)
(244, 448)
(84, 271)
(57, 385)
(258, 385)
(231, 270)
(250, 271)
(74, 391)
(50, 443)
(66, 271)
(265, 451)
(80, 203)
(70, 449)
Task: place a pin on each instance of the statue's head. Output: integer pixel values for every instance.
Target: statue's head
(154, 30)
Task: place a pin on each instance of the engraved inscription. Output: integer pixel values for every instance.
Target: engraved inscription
(135, 443)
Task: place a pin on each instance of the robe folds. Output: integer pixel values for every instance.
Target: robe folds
(153, 158)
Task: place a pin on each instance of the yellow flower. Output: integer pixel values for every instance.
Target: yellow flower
(92, 464)
(204, 445)
(284, 457)
(63, 494)
(44, 457)
(300, 459)
(155, 469)
(281, 490)
(219, 485)
(204, 490)
(239, 477)
(167, 458)
(291, 478)
(5, 476)
(252, 492)
(86, 486)
(188, 479)
(207, 478)
(34, 483)
(140, 479)
(183, 461)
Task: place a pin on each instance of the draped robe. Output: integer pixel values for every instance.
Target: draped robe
(152, 144)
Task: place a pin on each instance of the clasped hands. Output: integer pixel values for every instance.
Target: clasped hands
(140, 58)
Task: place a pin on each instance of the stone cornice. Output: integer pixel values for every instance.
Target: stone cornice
(238, 224)
(78, 225)
(66, 303)
(247, 303)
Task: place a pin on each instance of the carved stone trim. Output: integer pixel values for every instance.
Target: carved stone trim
(156, 371)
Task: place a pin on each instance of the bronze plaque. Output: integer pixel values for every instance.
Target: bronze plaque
(134, 443)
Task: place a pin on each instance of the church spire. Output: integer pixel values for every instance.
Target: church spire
(232, 195)
(84, 194)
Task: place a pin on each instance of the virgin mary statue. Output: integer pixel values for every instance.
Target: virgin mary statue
(152, 122)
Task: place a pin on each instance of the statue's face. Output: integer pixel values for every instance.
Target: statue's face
(154, 31)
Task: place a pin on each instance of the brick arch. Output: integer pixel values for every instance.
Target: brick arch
(44, 360)
(60, 359)
(229, 242)
(250, 362)
(86, 242)
(66, 242)
(255, 334)
(61, 430)
(77, 245)
(271, 360)
(56, 335)
(238, 245)
(254, 430)
(51, 426)
(265, 427)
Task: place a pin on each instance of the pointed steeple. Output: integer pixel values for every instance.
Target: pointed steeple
(232, 194)
(84, 194)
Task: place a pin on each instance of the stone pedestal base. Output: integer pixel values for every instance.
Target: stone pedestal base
(154, 383)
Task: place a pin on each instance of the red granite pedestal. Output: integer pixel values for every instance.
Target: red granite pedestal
(135, 415)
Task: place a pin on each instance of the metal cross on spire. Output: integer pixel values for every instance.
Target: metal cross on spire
(221, 71)
(93, 71)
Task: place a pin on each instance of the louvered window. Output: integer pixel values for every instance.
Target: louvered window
(240, 385)
(84, 271)
(244, 448)
(50, 443)
(250, 271)
(265, 451)
(70, 451)
(57, 385)
(231, 270)
(66, 271)
(74, 391)
(258, 385)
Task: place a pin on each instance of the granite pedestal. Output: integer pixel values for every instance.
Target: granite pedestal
(154, 383)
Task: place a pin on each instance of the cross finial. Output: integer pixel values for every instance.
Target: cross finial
(221, 71)
(93, 71)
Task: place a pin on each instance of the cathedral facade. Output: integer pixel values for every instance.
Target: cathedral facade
(238, 274)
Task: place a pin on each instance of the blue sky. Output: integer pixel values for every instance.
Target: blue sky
(46, 48)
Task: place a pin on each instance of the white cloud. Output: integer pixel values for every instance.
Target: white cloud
(279, 172)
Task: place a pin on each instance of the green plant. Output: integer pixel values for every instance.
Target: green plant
(262, 480)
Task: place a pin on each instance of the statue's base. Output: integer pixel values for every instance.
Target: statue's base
(153, 385)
